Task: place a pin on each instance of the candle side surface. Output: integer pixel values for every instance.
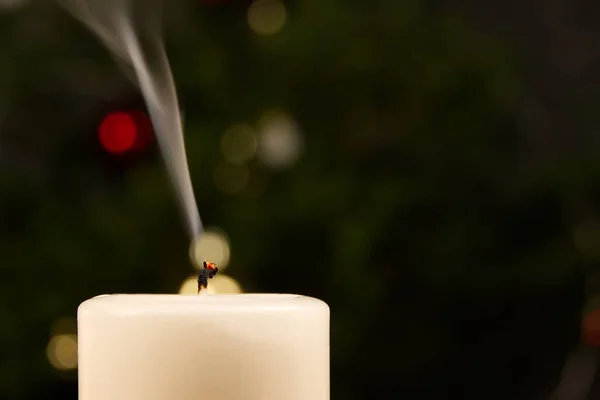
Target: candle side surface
(215, 347)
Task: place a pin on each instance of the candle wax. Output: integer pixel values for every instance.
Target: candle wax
(214, 347)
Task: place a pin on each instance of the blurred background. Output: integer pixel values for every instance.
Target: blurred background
(428, 168)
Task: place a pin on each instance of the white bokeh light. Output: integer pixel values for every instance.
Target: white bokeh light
(280, 142)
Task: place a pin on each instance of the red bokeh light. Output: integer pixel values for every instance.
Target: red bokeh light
(590, 328)
(121, 132)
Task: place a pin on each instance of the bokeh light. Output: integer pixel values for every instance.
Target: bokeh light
(280, 143)
(189, 286)
(266, 17)
(117, 132)
(62, 351)
(231, 178)
(223, 284)
(210, 246)
(239, 144)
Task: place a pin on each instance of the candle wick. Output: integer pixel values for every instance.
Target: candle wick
(208, 271)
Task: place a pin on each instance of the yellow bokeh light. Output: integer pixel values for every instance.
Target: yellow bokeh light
(189, 286)
(210, 246)
(62, 351)
(266, 17)
(223, 284)
(231, 179)
(239, 144)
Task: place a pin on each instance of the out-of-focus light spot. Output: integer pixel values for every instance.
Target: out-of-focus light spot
(62, 351)
(64, 325)
(210, 246)
(223, 284)
(231, 179)
(266, 17)
(586, 238)
(239, 144)
(279, 142)
(117, 132)
(189, 286)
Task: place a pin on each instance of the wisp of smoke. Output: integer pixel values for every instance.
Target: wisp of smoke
(114, 23)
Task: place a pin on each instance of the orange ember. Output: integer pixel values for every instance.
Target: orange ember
(209, 265)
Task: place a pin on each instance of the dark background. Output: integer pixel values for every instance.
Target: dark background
(446, 203)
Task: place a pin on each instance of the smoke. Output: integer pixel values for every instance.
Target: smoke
(131, 30)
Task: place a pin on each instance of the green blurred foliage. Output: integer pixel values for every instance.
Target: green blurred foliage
(419, 210)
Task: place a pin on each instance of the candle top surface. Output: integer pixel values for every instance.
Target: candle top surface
(222, 303)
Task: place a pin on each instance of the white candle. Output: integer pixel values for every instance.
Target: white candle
(215, 347)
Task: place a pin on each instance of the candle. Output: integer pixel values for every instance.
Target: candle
(212, 347)
(209, 347)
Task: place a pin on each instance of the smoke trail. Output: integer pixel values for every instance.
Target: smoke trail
(113, 22)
